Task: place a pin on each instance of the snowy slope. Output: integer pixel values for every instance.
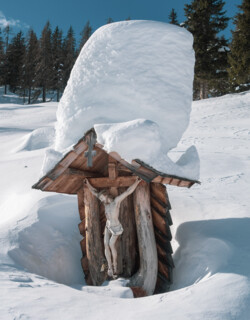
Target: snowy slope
(40, 273)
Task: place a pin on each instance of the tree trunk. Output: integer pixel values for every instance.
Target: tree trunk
(203, 89)
(146, 276)
(29, 95)
(44, 94)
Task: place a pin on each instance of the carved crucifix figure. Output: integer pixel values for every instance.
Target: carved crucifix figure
(113, 227)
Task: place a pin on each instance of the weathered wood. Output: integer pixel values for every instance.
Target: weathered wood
(107, 183)
(113, 174)
(160, 223)
(147, 274)
(161, 219)
(80, 173)
(85, 267)
(80, 200)
(94, 246)
(158, 207)
(159, 191)
(129, 247)
(90, 153)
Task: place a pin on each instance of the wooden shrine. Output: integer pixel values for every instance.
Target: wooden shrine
(144, 248)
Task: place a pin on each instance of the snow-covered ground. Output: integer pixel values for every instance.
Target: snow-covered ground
(40, 272)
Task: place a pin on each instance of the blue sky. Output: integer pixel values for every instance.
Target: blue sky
(22, 14)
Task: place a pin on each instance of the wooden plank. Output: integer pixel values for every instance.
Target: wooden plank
(159, 191)
(147, 274)
(129, 245)
(160, 223)
(107, 183)
(81, 227)
(80, 200)
(81, 173)
(113, 174)
(85, 267)
(67, 160)
(83, 246)
(46, 182)
(175, 182)
(163, 269)
(94, 245)
(158, 207)
(80, 147)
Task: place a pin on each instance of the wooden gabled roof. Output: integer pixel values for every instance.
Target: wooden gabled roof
(68, 174)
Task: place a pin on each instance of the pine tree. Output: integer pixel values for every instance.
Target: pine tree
(239, 59)
(15, 58)
(45, 62)
(69, 49)
(109, 20)
(85, 35)
(57, 52)
(2, 58)
(173, 17)
(30, 63)
(205, 19)
(6, 66)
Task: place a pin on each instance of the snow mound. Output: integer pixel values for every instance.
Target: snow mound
(129, 70)
(38, 139)
(143, 138)
(49, 246)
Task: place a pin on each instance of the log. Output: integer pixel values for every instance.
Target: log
(147, 274)
(94, 245)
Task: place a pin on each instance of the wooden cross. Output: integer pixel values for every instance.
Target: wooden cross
(90, 153)
(113, 174)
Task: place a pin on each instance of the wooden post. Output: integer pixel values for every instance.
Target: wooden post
(94, 247)
(128, 238)
(146, 276)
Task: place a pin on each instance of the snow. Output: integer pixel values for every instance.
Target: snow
(40, 271)
(136, 76)
(142, 138)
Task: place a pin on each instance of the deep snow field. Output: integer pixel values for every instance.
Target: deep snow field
(40, 272)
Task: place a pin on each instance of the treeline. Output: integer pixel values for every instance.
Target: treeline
(33, 66)
(220, 67)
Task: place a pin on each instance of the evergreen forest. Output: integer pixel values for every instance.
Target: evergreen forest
(33, 66)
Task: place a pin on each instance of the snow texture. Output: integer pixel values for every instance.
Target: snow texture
(39, 238)
(132, 71)
(40, 270)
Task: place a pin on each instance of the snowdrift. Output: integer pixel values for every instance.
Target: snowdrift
(132, 80)
(40, 254)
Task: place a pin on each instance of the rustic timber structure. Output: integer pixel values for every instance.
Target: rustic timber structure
(144, 248)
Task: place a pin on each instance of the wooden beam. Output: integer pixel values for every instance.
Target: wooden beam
(113, 174)
(147, 274)
(94, 245)
(107, 183)
(80, 173)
